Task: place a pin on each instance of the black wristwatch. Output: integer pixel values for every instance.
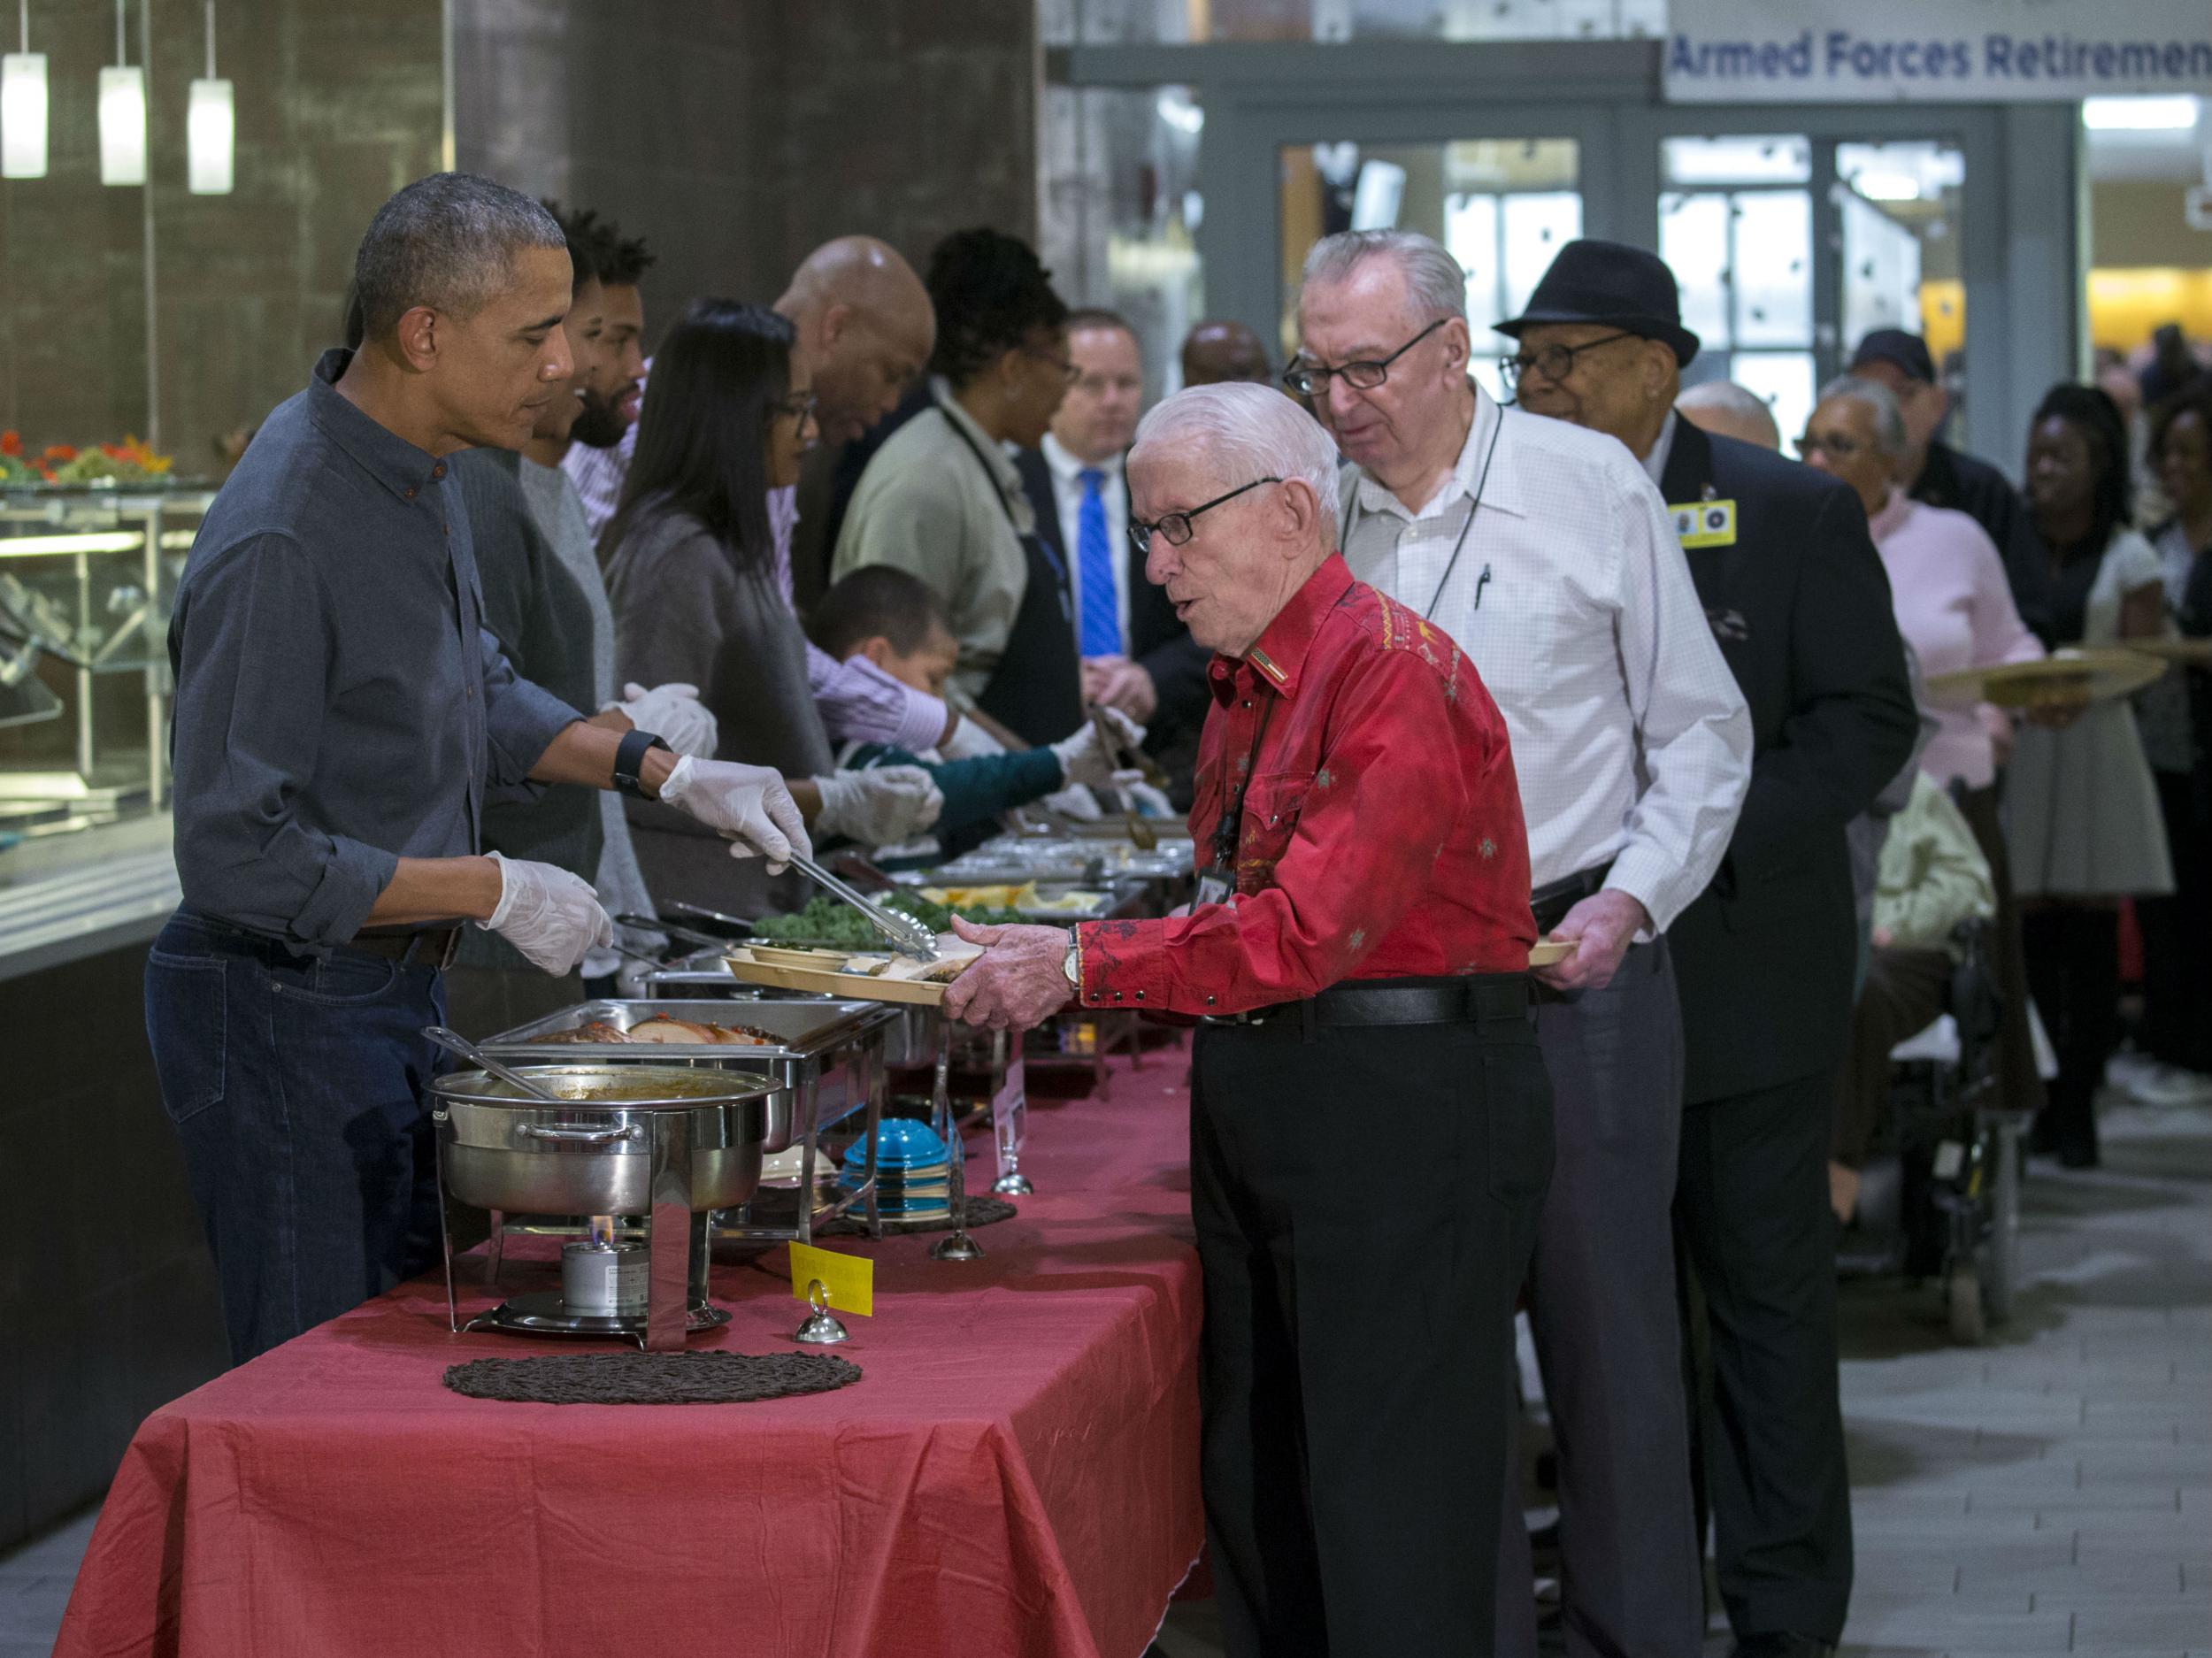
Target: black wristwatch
(629, 757)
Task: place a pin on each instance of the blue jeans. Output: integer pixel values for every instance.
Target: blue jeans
(296, 1088)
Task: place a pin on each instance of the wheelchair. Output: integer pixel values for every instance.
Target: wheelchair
(1942, 1192)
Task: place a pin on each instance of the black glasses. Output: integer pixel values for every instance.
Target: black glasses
(1311, 379)
(1554, 363)
(797, 406)
(1837, 449)
(1175, 526)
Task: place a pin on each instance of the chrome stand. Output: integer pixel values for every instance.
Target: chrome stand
(957, 1245)
(1010, 1114)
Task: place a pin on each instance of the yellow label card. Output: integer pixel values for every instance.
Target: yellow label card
(848, 1281)
(1705, 523)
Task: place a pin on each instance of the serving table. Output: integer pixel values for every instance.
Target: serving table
(1016, 1471)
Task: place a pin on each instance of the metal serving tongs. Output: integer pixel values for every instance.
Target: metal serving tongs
(1141, 832)
(907, 936)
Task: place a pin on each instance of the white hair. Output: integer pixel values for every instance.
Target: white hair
(1246, 432)
(1890, 435)
(1725, 398)
(1435, 286)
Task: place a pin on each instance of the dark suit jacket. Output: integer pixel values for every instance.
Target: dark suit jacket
(1157, 639)
(1801, 606)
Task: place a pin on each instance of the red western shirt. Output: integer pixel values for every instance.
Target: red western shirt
(1382, 834)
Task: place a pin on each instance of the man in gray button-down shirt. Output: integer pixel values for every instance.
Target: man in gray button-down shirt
(342, 716)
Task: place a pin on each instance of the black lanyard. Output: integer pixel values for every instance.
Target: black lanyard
(1482, 482)
(1230, 828)
(1044, 547)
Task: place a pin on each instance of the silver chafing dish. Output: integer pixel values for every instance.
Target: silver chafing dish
(830, 1064)
(667, 1143)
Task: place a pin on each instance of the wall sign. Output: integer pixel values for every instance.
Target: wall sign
(1971, 51)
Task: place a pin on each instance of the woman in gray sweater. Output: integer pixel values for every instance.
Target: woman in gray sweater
(689, 573)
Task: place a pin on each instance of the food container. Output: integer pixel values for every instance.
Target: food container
(829, 1057)
(593, 1154)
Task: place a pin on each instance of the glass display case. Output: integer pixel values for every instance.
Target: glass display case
(88, 575)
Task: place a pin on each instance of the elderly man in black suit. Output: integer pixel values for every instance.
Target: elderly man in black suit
(1797, 598)
(1136, 657)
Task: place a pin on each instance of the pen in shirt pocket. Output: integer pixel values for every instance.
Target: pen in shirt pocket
(1481, 581)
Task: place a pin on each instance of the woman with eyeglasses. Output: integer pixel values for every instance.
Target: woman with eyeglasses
(690, 575)
(943, 501)
(1955, 607)
(2083, 823)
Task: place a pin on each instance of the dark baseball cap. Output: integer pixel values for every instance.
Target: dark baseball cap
(1906, 352)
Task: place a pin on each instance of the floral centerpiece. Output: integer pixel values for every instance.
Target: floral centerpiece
(131, 461)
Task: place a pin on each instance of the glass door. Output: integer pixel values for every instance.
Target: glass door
(1503, 206)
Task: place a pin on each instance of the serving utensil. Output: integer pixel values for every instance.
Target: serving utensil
(1139, 832)
(907, 936)
(453, 1042)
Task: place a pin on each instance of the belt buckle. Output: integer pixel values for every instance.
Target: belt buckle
(1251, 1019)
(452, 949)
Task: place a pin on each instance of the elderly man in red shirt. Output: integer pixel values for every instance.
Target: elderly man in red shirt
(1370, 1132)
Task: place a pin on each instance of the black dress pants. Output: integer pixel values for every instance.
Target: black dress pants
(1752, 1215)
(1365, 1200)
(2074, 967)
(2178, 930)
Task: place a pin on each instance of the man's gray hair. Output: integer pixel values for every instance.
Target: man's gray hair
(1889, 420)
(1435, 285)
(1249, 431)
(1725, 396)
(449, 241)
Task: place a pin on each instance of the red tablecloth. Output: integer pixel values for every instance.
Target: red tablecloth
(1014, 1474)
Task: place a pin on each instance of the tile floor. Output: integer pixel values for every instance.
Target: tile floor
(2050, 1491)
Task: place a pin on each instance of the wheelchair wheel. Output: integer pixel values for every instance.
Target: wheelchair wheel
(1962, 1291)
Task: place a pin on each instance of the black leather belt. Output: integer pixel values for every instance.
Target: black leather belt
(432, 947)
(1476, 998)
(1552, 900)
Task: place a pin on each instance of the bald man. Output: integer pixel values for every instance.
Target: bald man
(1214, 352)
(1730, 411)
(866, 328)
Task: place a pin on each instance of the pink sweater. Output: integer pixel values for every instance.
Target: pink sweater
(1955, 610)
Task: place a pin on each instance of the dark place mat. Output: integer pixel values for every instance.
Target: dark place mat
(652, 1378)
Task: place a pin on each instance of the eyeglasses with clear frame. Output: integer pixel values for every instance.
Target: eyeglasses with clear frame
(1836, 448)
(1311, 379)
(1554, 363)
(1175, 528)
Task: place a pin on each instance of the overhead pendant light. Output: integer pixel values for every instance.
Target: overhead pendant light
(23, 107)
(211, 126)
(122, 115)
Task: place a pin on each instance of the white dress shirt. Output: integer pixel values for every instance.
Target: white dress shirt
(1572, 597)
(1067, 490)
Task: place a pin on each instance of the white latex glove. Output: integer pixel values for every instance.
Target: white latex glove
(1148, 801)
(1077, 804)
(881, 806)
(970, 741)
(552, 917)
(1084, 758)
(748, 803)
(673, 713)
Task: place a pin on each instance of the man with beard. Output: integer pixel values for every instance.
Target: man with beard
(865, 329)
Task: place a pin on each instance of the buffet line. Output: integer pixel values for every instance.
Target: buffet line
(770, 1079)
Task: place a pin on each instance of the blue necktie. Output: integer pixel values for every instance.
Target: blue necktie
(1094, 569)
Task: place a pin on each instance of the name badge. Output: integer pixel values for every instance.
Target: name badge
(1214, 883)
(1705, 524)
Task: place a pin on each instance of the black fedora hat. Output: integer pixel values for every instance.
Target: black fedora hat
(1613, 283)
